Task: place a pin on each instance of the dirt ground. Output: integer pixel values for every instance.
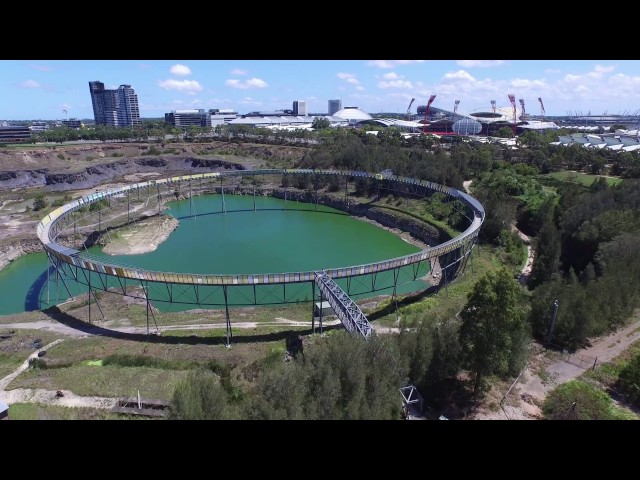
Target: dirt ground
(546, 370)
(143, 237)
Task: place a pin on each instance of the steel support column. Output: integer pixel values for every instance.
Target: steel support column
(226, 307)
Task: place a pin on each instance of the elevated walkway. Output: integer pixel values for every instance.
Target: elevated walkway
(346, 309)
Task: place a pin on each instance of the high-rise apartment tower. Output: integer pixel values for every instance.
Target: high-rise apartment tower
(118, 108)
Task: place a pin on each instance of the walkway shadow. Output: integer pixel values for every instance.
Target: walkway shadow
(70, 321)
(408, 300)
(33, 298)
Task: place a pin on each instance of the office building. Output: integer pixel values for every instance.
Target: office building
(200, 118)
(334, 106)
(72, 123)
(300, 108)
(117, 108)
(187, 118)
(15, 134)
(221, 116)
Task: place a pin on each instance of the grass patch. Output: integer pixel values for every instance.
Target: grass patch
(34, 411)
(108, 381)
(607, 373)
(581, 178)
(154, 367)
(15, 349)
(8, 364)
(448, 301)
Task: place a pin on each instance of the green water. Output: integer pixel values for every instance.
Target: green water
(302, 237)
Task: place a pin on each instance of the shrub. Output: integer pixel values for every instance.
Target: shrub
(199, 397)
(577, 400)
(40, 202)
(629, 381)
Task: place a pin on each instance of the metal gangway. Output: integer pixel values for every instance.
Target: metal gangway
(346, 309)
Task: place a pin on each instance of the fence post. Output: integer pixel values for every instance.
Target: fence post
(594, 363)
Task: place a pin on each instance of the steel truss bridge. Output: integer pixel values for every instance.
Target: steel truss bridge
(99, 272)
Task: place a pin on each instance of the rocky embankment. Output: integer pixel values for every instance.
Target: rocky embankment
(95, 175)
(9, 253)
(424, 232)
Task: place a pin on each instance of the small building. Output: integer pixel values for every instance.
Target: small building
(327, 310)
(4, 411)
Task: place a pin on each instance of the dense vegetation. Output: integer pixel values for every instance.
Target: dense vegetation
(587, 243)
(587, 240)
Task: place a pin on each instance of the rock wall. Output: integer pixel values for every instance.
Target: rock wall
(96, 175)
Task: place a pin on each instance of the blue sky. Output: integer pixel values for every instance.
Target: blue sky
(44, 89)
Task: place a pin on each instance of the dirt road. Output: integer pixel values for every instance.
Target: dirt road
(546, 371)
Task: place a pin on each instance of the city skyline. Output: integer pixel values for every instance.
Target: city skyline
(57, 89)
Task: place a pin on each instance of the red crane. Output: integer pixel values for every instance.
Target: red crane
(512, 99)
(426, 113)
(541, 107)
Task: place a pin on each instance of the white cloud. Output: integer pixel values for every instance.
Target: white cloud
(238, 71)
(251, 83)
(603, 69)
(351, 79)
(395, 84)
(42, 68)
(480, 63)
(391, 76)
(525, 83)
(345, 76)
(179, 69)
(391, 63)
(30, 84)
(219, 101)
(185, 86)
(460, 75)
(249, 101)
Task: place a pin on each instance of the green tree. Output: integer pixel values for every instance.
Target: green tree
(40, 202)
(339, 377)
(199, 397)
(494, 333)
(320, 123)
(505, 132)
(547, 261)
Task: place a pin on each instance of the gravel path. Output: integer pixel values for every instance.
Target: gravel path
(531, 390)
